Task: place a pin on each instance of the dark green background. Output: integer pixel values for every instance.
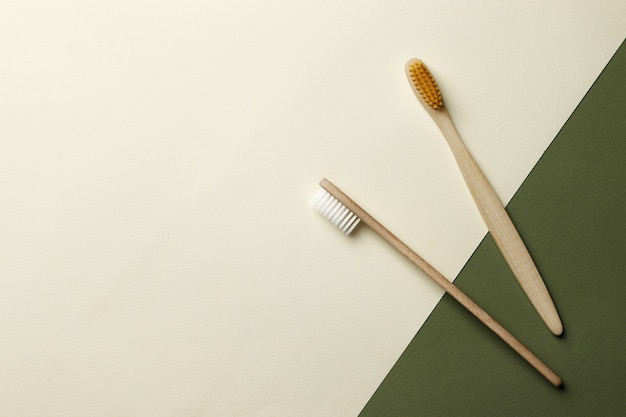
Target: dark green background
(571, 212)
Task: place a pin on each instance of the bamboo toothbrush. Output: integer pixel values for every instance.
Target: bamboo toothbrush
(495, 216)
(344, 213)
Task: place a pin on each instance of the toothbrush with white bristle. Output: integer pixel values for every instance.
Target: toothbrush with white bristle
(344, 213)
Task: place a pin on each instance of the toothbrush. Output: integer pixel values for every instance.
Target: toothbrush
(495, 216)
(344, 213)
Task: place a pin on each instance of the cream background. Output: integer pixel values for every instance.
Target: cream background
(159, 256)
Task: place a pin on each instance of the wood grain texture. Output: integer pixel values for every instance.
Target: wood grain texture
(443, 282)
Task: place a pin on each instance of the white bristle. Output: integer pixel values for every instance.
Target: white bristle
(332, 209)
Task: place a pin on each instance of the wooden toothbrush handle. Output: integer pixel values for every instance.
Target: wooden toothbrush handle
(443, 282)
(500, 226)
(467, 302)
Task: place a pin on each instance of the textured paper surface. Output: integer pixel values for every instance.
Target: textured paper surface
(571, 211)
(159, 255)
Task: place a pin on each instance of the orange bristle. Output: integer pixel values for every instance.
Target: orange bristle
(425, 84)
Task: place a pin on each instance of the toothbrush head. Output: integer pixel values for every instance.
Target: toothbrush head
(334, 211)
(423, 83)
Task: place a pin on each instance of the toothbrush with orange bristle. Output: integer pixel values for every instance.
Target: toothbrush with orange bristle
(495, 216)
